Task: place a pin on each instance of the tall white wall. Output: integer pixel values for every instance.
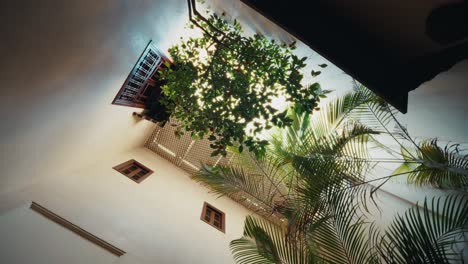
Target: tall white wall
(64, 61)
(28, 237)
(62, 64)
(158, 220)
(438, 108)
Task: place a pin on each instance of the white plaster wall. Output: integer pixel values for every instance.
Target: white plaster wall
(439, 107)
(157, 221)
(28, 237)
(62, 64)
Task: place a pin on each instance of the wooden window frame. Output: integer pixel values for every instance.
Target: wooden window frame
(126, 165)
(211, 221)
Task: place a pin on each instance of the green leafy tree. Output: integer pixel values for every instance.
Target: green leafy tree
(223, 82)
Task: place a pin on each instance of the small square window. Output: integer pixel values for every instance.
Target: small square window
(134, 170)
(213, 217)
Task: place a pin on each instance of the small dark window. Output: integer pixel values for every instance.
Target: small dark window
(213, 216)
(134, 170)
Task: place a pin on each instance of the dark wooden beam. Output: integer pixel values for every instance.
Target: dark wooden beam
(76, 229)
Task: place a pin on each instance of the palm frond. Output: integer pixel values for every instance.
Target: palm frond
(430, 234)
(343, 154)
(330, 162)
(332, 115)
(264, 242)
(374, 112)
(343, 237)
(430, 164)
(236, 182)
(339, 108)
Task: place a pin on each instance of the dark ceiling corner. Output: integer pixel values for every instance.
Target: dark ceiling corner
(448, 23)
(391, 71)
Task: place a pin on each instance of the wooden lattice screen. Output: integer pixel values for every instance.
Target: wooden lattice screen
(189, 155)
(184, 152)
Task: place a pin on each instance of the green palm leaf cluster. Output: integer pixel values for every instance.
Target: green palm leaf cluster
(437, 233)
(342, 236)
(314, 177)
(264, 242)
(429, 164)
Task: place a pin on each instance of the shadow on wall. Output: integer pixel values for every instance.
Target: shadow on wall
(62, 64)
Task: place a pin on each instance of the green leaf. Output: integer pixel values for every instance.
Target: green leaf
(315, 73)
(406, 167)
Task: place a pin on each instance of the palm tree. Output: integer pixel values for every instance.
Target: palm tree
(424, 162)
(314, 178)
(434, 234)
